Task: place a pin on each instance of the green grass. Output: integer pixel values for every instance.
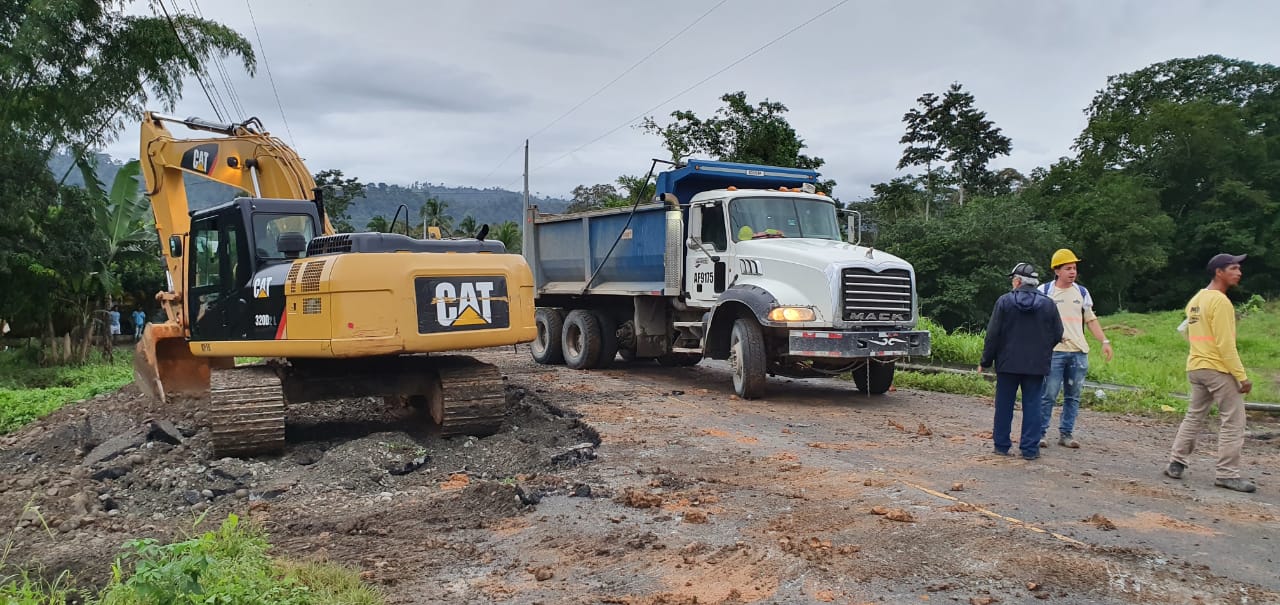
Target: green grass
(1149, 354)
(29, 392)
(229, 565)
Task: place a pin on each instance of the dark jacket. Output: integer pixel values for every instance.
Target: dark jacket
(1024, 328)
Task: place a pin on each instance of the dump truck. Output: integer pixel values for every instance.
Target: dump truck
(730, 261)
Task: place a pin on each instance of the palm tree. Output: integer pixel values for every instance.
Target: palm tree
(467, 226)
(434, 213)
(509, 234)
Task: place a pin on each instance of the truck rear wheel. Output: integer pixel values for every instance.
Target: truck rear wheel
(747, 358)
(874, 378)
(546, 347)
(608, 340)
(581, 339)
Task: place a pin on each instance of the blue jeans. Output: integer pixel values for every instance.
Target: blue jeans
(1066, 375)
(1007, 386)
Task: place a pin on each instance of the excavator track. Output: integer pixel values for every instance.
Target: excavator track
(474, 396)
(246, 411)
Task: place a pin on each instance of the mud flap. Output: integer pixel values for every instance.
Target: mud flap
(163, 366)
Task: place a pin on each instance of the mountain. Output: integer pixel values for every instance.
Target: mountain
(493, 206)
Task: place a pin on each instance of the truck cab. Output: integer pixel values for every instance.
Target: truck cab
(739, 262)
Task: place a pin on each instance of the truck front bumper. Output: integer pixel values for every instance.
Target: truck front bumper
(808, 343)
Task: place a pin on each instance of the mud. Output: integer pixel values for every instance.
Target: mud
(646, 485)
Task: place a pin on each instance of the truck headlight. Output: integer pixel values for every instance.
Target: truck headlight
(792, 314)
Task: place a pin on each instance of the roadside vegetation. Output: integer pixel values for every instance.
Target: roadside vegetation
(1150, 356)
(29, 391)
(228, 565)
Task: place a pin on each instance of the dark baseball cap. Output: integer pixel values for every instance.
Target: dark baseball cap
(1222, 261)
(1024, 270)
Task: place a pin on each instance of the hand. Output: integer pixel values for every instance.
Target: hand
(1107, 351)
(979, 369)
(1246, 386)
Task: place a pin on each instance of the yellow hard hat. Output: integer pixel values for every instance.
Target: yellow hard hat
(1062, 257)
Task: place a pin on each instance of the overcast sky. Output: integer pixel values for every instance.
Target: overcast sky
(442, 92)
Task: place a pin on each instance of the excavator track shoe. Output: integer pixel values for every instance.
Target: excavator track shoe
(474, 397)
(246, 412)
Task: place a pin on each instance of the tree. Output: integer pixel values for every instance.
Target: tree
(339, 193)
(467, 226)
(1205, 134)
(378, 223)
(74, 74)
(435, 213)
(739, 132)
(509, 234)
(949, 129)
(592, 197)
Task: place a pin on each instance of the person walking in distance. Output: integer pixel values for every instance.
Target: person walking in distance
(1023, 330)
(1071, 356)
(1216, 375)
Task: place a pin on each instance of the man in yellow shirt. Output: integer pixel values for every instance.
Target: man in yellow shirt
(1216, 376)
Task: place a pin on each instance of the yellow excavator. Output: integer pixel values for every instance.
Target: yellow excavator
(335, 315)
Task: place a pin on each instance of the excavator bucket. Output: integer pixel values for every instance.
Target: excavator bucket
(163, 366)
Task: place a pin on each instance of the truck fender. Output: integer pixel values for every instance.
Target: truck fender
(737, 301)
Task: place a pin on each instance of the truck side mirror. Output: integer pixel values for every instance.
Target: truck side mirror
(175, 246)
(854, 219)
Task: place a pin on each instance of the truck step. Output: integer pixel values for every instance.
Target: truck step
(687, 324)
(697, 350)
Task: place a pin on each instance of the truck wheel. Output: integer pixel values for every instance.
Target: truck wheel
(875, 378)
(581, 339)
(747, 358)
(546, 346)
(608, 339)
(679, 360)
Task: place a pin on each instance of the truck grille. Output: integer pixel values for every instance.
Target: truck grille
(871, 297)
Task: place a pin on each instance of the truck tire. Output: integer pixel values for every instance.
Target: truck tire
(608, 340)
(581, 339)
(546, 347)
(747, 358)
(875, 378)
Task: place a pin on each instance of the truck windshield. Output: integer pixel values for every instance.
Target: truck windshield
(782, 217)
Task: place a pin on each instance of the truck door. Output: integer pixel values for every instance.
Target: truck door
(708, 262)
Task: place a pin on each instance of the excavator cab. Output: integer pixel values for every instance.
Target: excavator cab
(241, 254)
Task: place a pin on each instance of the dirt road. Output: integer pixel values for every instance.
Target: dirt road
(647, 485)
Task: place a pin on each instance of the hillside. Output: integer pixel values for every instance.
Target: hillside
(484, 205)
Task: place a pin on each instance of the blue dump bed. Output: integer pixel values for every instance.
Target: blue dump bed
(568, 249)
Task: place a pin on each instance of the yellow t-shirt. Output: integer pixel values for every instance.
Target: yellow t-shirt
(1211, 330)
(1075, 307)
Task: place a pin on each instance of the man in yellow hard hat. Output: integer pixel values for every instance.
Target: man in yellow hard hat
(1071, 356)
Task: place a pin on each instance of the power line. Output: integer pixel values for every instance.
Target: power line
(267, 65)
(697, 84)
(595, 94)
(222, 70)
(192, 60)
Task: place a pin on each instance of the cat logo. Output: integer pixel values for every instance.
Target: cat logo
(200, 158)
(461, 303)
(466, 304)
(261, 287)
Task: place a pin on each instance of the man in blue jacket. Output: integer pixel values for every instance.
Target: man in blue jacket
(1024, 328)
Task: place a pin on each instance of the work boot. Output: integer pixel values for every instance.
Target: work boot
(1068, 441)
(1174, 470)
(1236, 484)
(1000, 453)
(1043, 444)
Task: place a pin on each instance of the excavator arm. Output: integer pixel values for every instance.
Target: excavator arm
(246, 157)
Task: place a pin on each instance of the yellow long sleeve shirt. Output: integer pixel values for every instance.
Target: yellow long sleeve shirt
(1211, 329)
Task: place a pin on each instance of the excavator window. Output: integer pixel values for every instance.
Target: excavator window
(267, 229)
(219, 270)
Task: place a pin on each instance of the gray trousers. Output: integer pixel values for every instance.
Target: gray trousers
(1210, 387)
